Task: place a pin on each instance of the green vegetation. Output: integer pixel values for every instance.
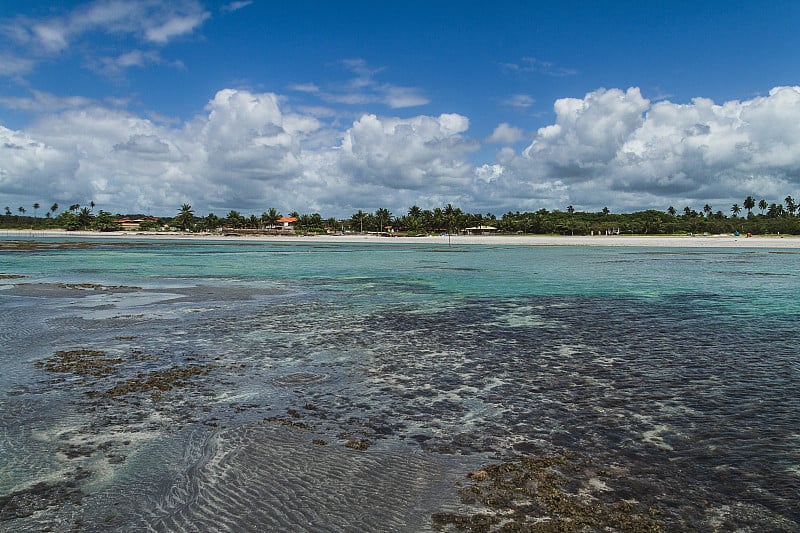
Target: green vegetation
(772, 218)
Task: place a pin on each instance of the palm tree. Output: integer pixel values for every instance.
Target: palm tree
(85, 218)
(762, 205)
(749, 204)
(735, 209)
(105, 222)
(707, 210)
(671, 210)
(234, 219)
(21, 212)
(211, 222)
(54, 208)
(91, 204)
(570, 209)
(451, 214)
(358, 220)
(271, 217)
(414, 216)
(383, 215)
(775, 211)
(304, 221)
(790, 205)
(8, 212)
(185, 218)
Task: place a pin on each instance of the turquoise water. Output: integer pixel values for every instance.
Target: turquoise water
(675, 370)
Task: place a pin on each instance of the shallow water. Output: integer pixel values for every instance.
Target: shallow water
(245, 379)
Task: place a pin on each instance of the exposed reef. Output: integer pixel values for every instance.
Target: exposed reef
(555, 493)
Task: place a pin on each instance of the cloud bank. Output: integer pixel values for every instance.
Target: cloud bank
(250, 151)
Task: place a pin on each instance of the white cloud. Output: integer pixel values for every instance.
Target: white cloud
(506, 134)
(419, 153)
(243, 152)
(398, 97)
(364, 89)
(588, 132)
(28, 165)
(520, 102)
(175, 25)
(304, 87)
(539, 66)
(250, 151)
(52, 37)
(144, 144)
(43, 102)
(235, 6)
(115, 66)
(12, 66)
(615, 148)
(29, 40)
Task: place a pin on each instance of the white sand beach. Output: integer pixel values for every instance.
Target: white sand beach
(671, 241)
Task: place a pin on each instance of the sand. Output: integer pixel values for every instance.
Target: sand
(671, 241)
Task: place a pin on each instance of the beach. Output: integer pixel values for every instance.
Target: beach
(660, 241)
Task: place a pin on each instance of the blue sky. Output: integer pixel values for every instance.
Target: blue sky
(332, 107)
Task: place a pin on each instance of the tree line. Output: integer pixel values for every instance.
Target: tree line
(771, 218)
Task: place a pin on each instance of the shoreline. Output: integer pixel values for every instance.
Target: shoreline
(659, 241)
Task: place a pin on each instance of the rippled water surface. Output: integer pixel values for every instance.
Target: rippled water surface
(342, 387)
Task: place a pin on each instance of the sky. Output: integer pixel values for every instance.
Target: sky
(334, 107)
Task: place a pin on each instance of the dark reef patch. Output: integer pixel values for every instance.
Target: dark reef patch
(25, 502)
(555, 493)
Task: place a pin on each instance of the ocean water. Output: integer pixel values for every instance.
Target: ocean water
(301, 386)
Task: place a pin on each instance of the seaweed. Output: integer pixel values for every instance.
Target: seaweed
(83, 362)
(534, 494)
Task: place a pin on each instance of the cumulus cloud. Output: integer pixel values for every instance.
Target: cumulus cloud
(245, 151)
(144, 145)
(250, 151)
(588, 132)
(614, 147)
(505, 134)
(417, 154)
(27, 164)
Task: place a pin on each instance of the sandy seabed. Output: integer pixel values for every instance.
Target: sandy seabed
(683, 241)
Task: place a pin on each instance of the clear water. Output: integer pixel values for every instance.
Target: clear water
(677, 370)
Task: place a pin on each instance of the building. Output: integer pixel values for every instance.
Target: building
(480, 230)
(286, 223)
(134, 224)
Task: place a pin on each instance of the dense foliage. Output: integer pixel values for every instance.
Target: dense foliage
(771, 218)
